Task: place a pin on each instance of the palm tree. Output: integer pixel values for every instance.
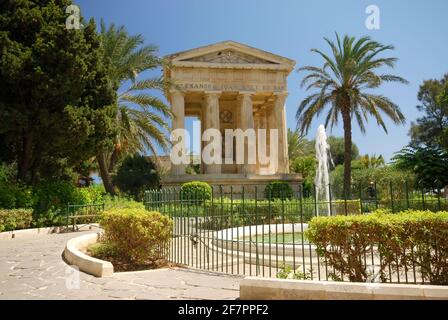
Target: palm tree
(298, 146)
(141, 117)
(343, 84)
(372, 161)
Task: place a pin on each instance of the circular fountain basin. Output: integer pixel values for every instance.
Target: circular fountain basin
(239, 242)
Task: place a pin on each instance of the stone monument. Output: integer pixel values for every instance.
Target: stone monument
(229, 85)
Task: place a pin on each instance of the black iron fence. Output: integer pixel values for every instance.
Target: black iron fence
(251, 233)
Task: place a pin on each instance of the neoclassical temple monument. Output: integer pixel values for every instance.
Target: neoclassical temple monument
(229, 85)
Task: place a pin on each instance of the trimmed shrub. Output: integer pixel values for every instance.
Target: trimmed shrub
(407, 240)
(196, 192)
(15, 219)
(278, 190)
(137, 235)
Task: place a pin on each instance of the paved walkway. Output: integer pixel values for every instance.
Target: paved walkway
(34, 269)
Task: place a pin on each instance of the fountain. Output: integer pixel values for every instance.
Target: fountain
(322, 180)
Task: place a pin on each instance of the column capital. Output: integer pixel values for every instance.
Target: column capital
(245, 95)
(177, 93)
(283, 94)
(212, 94)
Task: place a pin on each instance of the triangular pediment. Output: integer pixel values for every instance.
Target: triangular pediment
(229, 56)
(230, 53)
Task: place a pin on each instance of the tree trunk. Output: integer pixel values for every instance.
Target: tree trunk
(113, 160)
(347, 152)
(25, 158)
(104, 173)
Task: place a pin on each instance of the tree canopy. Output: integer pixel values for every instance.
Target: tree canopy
(57, 101)
(430, 165)
(431, 128)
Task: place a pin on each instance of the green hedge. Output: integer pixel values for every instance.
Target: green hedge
(14, 219)
(137, 235)
(407, 240)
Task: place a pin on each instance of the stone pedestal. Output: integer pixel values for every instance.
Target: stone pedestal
(235, 182)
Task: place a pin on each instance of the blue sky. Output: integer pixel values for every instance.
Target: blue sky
(417, 29)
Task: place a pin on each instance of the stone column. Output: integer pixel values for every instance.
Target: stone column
(280, 121)
(247, 122)
(212, 122)
(178, 122)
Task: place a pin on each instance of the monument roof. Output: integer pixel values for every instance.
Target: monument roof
(230, 54)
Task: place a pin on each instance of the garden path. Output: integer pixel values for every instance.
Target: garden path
(34, 269)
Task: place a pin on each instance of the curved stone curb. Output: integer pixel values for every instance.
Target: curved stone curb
(35, 232)
(85, 263)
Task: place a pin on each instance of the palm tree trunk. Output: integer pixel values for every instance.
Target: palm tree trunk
(347, 152)
(104, 173)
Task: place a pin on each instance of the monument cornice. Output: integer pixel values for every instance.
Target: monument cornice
(248, 66)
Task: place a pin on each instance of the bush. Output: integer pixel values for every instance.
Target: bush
(278, 190)
(286, 272)
(50, 218)
(15, 196)
(135, 175)
(54, 196)
(121, 203)
(92, 194)
(196, 192)
(15, 219)
(137, 235)
(407, 240)
(349, 207)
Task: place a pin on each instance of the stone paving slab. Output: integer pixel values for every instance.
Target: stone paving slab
(34, 269)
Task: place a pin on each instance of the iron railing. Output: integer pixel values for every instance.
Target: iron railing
(78, 215)
(251, 233)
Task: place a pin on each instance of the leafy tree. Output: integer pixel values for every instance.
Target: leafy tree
(430, 165)
(135, 175)
(431, 129)
(140, 119)
(364, 179)
(56, 101)
(343, 83)
(337, 150)
(306, 166)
